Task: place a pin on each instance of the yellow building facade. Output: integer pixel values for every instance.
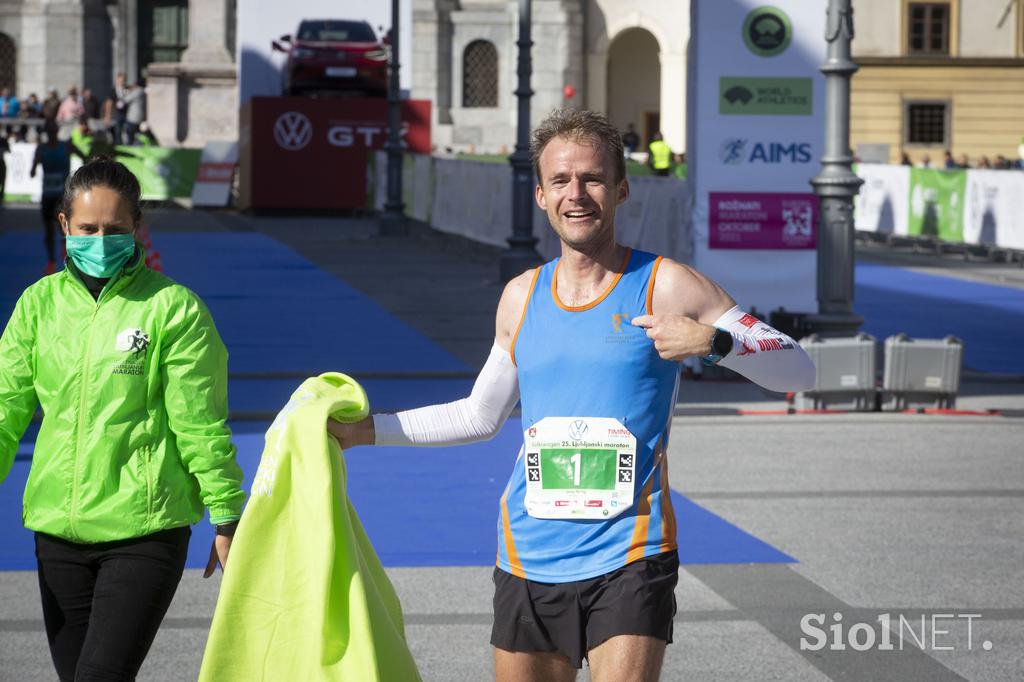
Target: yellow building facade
(937, 76)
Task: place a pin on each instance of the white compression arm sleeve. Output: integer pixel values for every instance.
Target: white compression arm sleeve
(765, 355)
(478, 417)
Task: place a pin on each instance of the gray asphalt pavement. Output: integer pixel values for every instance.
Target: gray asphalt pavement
(918, 516)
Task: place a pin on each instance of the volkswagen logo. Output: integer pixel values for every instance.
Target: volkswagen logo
(293, 130)
(578, 429)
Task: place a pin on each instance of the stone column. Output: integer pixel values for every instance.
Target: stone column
(673, 99)
(207, 35)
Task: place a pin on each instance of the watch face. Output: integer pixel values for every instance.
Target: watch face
(721, 344)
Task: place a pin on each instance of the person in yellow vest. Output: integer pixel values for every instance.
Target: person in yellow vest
(659, 156)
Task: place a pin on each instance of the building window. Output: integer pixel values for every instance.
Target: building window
(927, 123)
(928, 25)
(163, 31)
(480, 75)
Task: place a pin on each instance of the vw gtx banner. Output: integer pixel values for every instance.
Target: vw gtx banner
(312, 153)
(755, 137)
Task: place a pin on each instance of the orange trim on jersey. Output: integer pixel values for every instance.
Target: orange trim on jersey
(638, 543)
(510, 546)
(529, 295)
(588, 306)
(668, 514)
(650, 285)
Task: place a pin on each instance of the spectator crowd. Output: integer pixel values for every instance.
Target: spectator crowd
(120, 116)
(1000, 162)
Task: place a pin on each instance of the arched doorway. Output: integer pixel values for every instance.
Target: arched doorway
(8, 63)
(634, 83)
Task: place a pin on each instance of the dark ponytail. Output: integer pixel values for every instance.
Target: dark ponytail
(106, 172)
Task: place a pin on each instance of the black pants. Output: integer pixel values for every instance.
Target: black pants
(103, 603)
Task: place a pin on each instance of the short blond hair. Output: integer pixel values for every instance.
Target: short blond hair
(578, 125)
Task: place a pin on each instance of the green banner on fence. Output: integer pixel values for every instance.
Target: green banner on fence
(937, 203)
(163, 173)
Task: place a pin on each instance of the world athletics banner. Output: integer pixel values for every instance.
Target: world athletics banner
(755, 135)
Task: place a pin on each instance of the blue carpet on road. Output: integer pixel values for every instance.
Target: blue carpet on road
(986, 317)
(276, 311)
(420, 507)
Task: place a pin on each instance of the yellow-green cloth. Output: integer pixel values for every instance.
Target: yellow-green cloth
(304, 596)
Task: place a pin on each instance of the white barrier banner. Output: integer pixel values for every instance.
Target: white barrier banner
(881, 206)
(994, 208)
(19, 184)
(474, 199)
(216, 174)
(754, 136)
(655, 218)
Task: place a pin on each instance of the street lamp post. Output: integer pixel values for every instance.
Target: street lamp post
(836, 185)
(521, 254)
(393, 220)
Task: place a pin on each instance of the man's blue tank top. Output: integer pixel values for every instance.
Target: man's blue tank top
(589, 361)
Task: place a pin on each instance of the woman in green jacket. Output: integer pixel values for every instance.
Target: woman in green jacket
(131, 376)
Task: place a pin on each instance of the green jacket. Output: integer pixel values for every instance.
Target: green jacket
(133, 389)
(304, 596)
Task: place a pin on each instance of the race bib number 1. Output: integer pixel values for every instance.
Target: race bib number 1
(579, 468)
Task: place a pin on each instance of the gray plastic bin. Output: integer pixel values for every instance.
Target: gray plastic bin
(921, 373)
(845, 377)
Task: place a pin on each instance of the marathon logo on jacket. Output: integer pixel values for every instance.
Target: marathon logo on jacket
(134, 342)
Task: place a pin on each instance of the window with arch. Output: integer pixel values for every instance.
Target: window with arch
(8, 62)
(480, 75)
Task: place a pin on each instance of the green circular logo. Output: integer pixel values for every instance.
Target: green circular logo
(767, 31)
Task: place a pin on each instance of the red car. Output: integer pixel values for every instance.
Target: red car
(329, 55)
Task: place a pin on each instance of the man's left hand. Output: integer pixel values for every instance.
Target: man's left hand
(218, 554)
(677, 337)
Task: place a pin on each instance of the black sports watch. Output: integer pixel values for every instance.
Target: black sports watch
(721, 345)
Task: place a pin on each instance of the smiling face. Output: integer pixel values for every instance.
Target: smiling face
(579, 192)
(97, 211)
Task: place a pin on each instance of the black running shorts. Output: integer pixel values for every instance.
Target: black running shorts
(573, 618)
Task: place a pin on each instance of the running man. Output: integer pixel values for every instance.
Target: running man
(54, 156)
(591, 344)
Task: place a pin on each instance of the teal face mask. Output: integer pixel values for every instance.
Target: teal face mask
(101, 256)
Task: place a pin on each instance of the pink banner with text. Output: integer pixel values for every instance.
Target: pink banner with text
(762, 220)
